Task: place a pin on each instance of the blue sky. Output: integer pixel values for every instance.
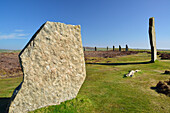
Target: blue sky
(103, 22)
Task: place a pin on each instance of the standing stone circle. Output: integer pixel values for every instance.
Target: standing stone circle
(152, 37)
(53, 66)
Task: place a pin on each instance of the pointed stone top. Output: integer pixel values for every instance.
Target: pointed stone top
(152, 21)
(50, 22)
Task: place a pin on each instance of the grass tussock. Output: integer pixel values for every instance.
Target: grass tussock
(77, 105)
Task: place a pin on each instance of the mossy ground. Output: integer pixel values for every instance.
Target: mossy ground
(106, 90)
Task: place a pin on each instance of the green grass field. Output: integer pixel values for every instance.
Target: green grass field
(6, 50)
(105, 89)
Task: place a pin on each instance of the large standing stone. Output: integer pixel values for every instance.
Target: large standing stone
(53, 66)
(152, 39)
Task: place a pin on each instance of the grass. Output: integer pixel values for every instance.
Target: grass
(79, 104)
(6, 50)
(106, 90)
(124, 49)
(141, 57)
(8, 85)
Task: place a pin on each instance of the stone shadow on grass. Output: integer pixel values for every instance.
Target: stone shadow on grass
(153, 88)
(130, 63)
(4, 104)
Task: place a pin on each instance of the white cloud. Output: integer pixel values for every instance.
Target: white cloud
(20, 35)
(13, 36)
(19, 30)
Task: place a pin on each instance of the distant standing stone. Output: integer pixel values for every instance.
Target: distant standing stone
(113, 48)
(107, 48)
(152, 37)
(126, 47)
(120, 48)
(95, 48)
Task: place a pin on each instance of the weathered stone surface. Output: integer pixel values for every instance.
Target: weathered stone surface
(53, 66)
(152, 37)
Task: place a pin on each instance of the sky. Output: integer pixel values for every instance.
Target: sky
(103, 22)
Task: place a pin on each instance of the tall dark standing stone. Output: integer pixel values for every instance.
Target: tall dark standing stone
(113, 48)
(126, 47)
(152, 37)
(95, 48)
(120, 48)
(107, 48)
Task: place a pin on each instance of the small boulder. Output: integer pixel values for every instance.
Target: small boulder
(131, 73)
(163, 87)
(167, 72)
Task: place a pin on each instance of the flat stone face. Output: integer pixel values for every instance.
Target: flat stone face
(152, 37)
(53, 66)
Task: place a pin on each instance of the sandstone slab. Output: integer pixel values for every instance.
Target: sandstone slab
(53, 66)
(152, 37)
